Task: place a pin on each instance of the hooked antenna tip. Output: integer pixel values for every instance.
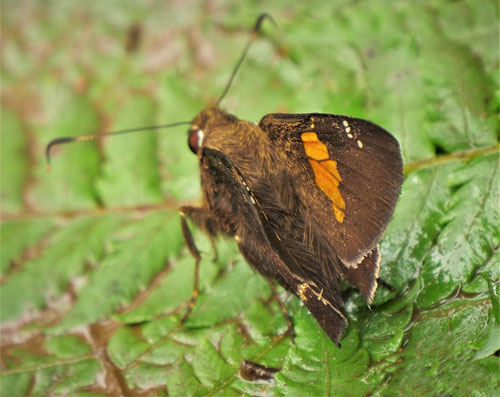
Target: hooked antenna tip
(261, 19)
(52, 143)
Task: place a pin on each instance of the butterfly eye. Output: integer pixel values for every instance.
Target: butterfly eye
(195, 140)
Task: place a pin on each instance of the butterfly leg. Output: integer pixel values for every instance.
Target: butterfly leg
(213, 243)
(203, 218)
(206, 221)
(288, 320)
(188, 238)
(385, 284)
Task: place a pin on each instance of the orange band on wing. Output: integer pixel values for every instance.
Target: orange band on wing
(315, 149)
(339, 215)
(326, 174)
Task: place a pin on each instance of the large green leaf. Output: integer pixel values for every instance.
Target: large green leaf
(94, 276)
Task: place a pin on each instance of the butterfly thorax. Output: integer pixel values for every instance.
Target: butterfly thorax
(261, 165)
(228, 134)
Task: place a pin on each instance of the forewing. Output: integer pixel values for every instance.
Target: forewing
(348, 173)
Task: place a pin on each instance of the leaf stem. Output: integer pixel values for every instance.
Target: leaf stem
(447, 158)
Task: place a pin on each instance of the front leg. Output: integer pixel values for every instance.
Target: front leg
(203, 218)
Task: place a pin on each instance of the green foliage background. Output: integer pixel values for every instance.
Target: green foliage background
(94, 272)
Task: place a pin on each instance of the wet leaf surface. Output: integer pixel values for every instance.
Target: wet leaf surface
(94, 274)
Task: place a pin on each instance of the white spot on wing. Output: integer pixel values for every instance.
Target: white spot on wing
(347, 129)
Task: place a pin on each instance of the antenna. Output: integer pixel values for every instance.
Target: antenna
(93, 137)
(253, 36)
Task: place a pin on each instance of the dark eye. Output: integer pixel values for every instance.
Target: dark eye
(195, 140)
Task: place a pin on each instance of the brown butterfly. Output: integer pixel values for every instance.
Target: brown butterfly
(307, 198)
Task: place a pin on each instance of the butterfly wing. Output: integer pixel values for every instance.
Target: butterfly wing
(260, 244)
(349, 174)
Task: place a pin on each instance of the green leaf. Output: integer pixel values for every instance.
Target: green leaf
(70, 185)
(125, 346)
(46, 277)
(316, 366)
(14, 162)
(17, 237)
(491, 343)
(471, 230)
(95, 278)
(438, 356)
(141, 250)
(62, 365)
(132, 178)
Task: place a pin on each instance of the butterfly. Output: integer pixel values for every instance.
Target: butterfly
(306, 197)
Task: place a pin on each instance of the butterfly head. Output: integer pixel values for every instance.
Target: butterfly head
(205, 123)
